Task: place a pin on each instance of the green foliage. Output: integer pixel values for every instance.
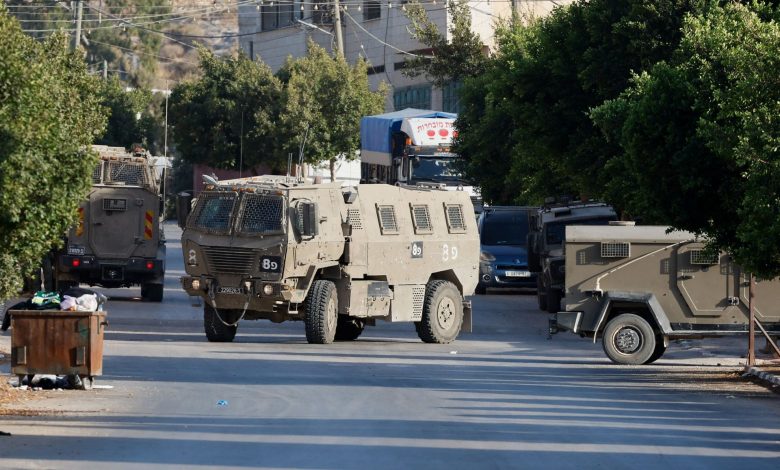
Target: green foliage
(701, 135)
(327, 97)
(49, 114)
(543, 80)
(236, 102)
(124, 127)
(450, 60)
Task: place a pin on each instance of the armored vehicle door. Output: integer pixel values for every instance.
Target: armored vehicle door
(707, 282)
(766, 299)
(122, 222)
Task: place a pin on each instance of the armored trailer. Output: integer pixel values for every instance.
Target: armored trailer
(545, 244)
(118, 240)
(336, 258)
(637, 287)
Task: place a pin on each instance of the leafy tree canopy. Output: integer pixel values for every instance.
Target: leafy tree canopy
(129, 120)
(326, 97)
(701, 137)
(49, 114)
(235, 104)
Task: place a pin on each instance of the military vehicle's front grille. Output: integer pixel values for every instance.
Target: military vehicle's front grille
(230, 260)
(353, 219)
(387, 219)
(262, 214)
(422, 219)
(455, 217)
(615, 249)
(131, 174)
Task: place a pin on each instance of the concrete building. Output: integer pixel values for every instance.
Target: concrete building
(376, 30)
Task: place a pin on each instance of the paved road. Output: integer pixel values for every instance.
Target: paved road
(502, 397)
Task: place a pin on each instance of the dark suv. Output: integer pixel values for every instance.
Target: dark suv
(503, 260)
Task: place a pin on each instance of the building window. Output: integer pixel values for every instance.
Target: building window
(277, 16)
(450, 101)
(412, 97)
(321, 13)
(371, 10)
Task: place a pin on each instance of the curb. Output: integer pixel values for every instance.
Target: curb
(765, 376)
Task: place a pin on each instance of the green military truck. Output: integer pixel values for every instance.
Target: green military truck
(337, 258)
(545, 244)
(638, 287)
(118, 240)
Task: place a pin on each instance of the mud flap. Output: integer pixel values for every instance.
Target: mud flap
(467, 322)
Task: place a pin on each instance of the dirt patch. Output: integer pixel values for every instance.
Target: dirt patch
(10, 397)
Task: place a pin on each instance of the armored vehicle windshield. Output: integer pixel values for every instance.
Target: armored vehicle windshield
(226, 213)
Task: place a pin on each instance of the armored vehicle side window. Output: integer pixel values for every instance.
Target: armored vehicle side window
(704, 257)
(131, 174)
(387, 220)
(455, 221)
(261, 214)
(421, 218)
(214, 212)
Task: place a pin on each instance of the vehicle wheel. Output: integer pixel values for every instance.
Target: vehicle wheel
(480, 290)
(553, 302)
(541, 295)
(442, 315)
(659, 350)
(152, 292)
(629, 339)
(216, 331)
(321, 308)
(348, 328)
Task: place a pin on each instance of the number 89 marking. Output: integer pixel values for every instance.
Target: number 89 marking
(269, 265)
(449, 252)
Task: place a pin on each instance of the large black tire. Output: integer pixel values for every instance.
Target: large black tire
(152, 292)
(216, 331)
(554, 297)
(541, 294)
(629, 339)
(659, 350)
(442, 315)
(349, 328)
(321, 307)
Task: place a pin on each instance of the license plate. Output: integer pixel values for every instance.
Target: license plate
(517, 273)
(76, 250)
(229, 290)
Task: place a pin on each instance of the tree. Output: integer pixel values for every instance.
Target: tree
(232, 109)
(49, 114)
(454, 55)
(325, 100)
(544, 79)
(701, 138)
(130, 118)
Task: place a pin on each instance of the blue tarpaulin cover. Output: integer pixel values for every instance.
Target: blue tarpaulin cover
(376, 131)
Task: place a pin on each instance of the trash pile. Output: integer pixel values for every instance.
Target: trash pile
(74, 299)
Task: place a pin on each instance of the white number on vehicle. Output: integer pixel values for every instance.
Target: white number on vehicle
(449, 252)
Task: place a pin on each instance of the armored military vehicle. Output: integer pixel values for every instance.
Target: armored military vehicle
(545, 244)
(336, 258)
(118, 240)
(639, 287)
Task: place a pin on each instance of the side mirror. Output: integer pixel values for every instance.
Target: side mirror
(308, 218)
(183, 207)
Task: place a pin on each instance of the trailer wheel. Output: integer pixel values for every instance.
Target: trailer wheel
(541, 296)
(321, 308)
(442, 315)
(348, 328)
(629, 339)
(152, 292)
(553, 300)
(216, 331)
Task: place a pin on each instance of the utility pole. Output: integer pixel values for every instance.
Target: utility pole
(337, 27)
(79, 12)
(105, 69)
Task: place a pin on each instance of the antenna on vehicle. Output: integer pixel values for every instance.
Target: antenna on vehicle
(300, 153)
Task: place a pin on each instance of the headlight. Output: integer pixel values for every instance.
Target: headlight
(485, 256)
(195, 284)
(268, 289)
